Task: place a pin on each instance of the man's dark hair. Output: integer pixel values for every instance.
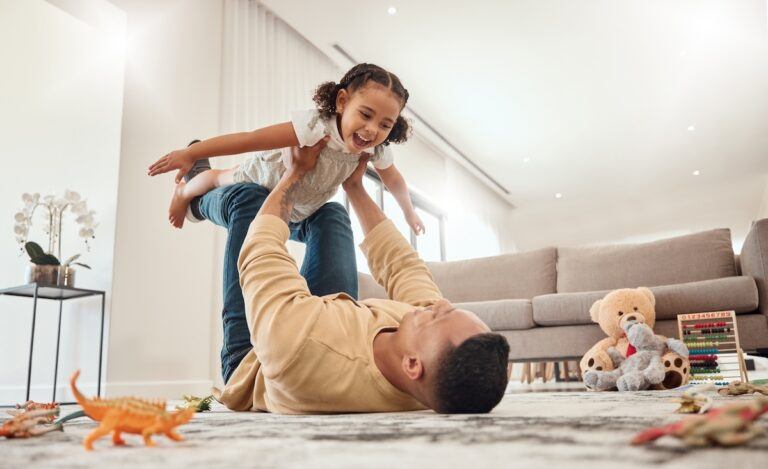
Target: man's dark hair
(472, 378)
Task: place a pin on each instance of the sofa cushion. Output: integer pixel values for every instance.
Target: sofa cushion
(754, 259)
(722, 294)
(557, 343)
(508, 276)
(502, 315)
(368, 288)
(701, 256)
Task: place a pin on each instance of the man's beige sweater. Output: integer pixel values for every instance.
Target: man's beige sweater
(314, 354)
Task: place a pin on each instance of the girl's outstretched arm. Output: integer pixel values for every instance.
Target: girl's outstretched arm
(267, 138)
(395, 182)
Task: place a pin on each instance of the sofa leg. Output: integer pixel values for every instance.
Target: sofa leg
(549, 372)
(526, 376)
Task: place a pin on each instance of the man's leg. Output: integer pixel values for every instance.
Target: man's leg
(329, 264)
(233, 207)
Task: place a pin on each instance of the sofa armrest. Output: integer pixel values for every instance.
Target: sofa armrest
(754, 260)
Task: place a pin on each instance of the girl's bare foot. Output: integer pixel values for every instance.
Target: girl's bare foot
(179, 203)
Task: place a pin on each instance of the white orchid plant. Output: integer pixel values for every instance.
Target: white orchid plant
(53, 210)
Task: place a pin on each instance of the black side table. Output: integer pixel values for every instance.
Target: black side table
(52, 292)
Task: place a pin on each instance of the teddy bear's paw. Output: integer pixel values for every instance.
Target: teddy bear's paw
(595, 364)
(676, 371)
(590, 380)
(631, 382)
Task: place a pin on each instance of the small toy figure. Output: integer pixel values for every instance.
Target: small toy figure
(200, 404)
(695, 400)
(730, 425)
(32, 405)
(129, 415)
(29, 423)
(737, 388)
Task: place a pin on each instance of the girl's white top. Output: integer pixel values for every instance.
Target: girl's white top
(334, 164)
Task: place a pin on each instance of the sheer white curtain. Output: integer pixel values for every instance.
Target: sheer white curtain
(268, 69)
(476, 220)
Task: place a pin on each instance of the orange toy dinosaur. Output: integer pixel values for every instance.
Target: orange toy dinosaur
(129, 415)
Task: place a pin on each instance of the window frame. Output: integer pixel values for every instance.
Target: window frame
(418, 202)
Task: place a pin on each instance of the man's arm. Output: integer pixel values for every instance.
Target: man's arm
(279, 307)
(368, 213)
(393, 262)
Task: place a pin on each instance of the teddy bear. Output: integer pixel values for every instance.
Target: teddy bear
(614, 313)
(642, 369)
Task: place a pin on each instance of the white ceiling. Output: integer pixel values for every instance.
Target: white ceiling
(585, 98)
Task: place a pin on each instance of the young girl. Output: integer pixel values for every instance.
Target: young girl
(360, 114)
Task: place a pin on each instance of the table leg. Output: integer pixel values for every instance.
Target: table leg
(56, 364)
(31, 342)
(101, 345)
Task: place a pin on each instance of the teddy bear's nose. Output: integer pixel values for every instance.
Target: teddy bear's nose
(631, 317)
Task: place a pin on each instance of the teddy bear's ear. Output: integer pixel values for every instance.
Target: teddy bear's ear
(648, 294)
(594, 311)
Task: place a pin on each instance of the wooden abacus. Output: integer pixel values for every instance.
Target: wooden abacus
(713, 342)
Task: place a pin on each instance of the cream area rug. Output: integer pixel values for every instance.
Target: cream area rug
(558, 429)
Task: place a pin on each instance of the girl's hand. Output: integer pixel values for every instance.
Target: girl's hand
(178, 159)
(415, 223)
(355, 180)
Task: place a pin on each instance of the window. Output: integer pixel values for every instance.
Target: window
(430, 246)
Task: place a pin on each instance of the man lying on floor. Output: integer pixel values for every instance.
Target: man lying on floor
(326, 354)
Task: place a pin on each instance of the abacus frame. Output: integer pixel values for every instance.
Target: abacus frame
(726, 315)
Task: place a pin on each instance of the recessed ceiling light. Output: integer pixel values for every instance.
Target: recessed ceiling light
(696, 172)
(526, 159)
(558, 196)
(391, 10)
(691, 128)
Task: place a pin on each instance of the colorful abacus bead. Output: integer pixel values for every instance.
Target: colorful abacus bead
(697, 370)
(706, 377)
(704, 351)
(703, 358)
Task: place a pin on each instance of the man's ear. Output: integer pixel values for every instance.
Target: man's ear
(412, 367)
(342, 98)
(594, 311)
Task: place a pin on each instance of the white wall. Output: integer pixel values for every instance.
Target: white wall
(61, 90)
(730, 204)
(763, 212)
(163, 283)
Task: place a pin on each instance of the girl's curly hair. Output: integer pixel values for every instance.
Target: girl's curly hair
(357, 77)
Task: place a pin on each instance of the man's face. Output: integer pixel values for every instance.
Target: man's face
(428, 331)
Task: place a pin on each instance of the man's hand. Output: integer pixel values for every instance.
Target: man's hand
(304, 159)
(281, 199)
(355, 180)
(178, 159)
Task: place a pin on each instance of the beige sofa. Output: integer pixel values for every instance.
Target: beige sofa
(540, 299)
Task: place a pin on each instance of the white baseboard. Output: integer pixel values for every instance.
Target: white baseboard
(170, 390)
